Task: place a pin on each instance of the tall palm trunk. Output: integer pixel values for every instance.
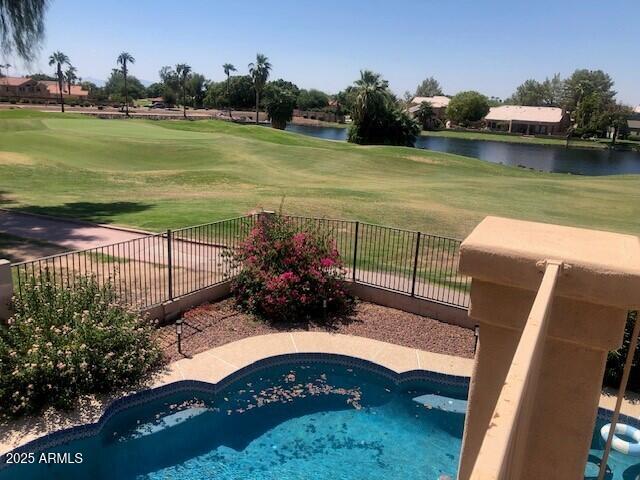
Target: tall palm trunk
(257, 105)
(126, 94)
(228, 98)
(184, 100)
(60, 87)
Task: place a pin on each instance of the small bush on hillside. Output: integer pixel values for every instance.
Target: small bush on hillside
(63, 343)
(289, 273)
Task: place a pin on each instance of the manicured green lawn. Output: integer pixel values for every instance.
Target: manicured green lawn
(160, 174)
(498, 137)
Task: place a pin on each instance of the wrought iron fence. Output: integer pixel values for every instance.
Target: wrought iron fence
(157, 268)
(405, 261)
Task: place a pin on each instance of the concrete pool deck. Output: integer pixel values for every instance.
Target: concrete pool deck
(217, 363)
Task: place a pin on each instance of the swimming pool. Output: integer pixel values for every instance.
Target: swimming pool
(293, 419)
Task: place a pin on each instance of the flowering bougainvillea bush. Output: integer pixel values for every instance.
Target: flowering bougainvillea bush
(289, 273)
(62, 343)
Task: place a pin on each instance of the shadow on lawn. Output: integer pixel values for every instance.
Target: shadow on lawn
(90, 211)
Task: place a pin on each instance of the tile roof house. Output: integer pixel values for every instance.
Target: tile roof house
(21, 87)
(438, 104)
(76, 90)
(16, 88)
(527, 120)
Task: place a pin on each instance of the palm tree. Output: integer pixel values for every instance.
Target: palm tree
(123, 59)
(259, 72)
(228, 68)
(59, 59)
(371, 95)
(70, 76)
(183, 71)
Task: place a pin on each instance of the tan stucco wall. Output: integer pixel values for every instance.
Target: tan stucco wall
(599, 282)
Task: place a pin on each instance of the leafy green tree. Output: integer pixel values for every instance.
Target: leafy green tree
(123, 59)
(312, 100)
(377, 119)
(582, 83)
(228, 68)
(429, 88)
(530, 93)
(155, 89)
(538, 94)
(183, 70)
(96, 93)
(43, 76)
(114, 88)
(197, 88)
(171, 84)
(279, 103)
(241, 94)
(617, 116)
(467, 107)
(70, 76)
(259, 71)
(21, 26)
(553, 90)
(286, 85)
(345, 100)
(59, 59)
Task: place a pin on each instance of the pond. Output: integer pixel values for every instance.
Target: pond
(547, 158)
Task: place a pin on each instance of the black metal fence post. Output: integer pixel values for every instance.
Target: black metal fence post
(355, 251)
(415, 266)
(170, 262)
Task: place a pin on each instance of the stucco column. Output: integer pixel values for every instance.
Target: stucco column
(6, 289)
(599, 283)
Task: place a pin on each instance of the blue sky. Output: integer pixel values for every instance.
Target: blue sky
(490, 46)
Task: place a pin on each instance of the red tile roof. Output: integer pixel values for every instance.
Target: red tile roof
(14, 81)
(52, 87)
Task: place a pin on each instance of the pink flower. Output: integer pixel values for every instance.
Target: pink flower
(327, 262)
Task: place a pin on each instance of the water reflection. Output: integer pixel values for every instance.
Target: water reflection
(547, 158)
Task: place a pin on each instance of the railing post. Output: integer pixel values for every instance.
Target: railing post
(415, 266)
(355, 251)
(170, 262)
(6, 290)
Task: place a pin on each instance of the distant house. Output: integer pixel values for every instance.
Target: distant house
(438, 103)
(527, 120)
(19, 88)
(14, 88)
(634, 123)
(54, 91)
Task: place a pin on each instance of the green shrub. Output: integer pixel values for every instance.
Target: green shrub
(289, 273)
(615, 360)
(62, 343)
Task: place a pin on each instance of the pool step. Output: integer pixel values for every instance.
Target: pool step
(439, 402)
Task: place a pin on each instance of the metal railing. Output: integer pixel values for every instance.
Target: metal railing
(157, 268)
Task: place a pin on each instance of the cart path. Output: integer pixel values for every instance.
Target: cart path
(66, 233)
(192, 256)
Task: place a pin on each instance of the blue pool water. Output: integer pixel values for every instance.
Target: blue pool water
(295, 421)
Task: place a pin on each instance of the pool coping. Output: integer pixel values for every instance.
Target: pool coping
(214, 369)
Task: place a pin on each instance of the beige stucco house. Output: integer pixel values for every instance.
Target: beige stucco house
(527, 120)
(17, 88)
(438, 103)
